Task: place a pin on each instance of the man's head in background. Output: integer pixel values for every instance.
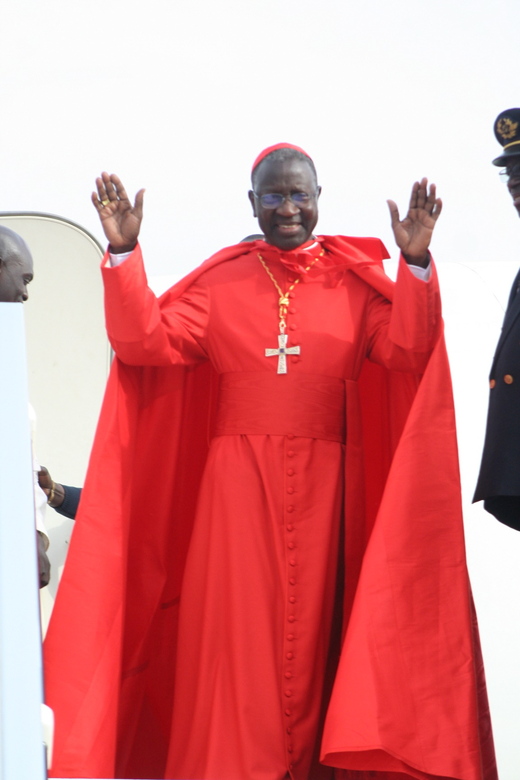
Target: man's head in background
(16, 267)
(507, 133)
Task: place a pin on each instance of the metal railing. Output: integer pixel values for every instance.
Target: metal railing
(21, 737)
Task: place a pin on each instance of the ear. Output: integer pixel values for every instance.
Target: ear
(319, 190)
(252, 199)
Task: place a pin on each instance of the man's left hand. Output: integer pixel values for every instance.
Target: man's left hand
(414, 233)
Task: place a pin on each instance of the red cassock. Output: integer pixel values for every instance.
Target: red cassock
(312, 518)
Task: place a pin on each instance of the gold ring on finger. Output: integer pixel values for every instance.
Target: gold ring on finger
(105, 203)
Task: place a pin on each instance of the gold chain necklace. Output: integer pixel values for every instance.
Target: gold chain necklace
(283, 305)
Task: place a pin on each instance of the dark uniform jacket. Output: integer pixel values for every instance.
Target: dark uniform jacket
(69, 507)
(499, 479)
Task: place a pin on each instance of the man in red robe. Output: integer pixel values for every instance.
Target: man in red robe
(271, 523)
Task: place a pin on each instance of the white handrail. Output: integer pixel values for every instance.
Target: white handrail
(21, 739)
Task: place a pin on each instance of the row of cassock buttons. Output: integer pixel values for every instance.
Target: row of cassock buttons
(291, 618)
(508, 379)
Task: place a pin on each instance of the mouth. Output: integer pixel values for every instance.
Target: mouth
(289, 229)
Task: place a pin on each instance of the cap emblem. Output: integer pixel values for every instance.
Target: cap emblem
(507, 128)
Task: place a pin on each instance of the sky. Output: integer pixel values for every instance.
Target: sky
(179, 96)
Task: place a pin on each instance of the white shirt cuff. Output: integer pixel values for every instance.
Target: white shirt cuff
(421, 273)
(118, 259)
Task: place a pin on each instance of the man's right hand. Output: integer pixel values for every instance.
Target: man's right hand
(44, 565)
(54, 491)
(120, 220)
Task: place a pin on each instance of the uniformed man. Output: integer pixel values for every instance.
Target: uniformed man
(499, 479)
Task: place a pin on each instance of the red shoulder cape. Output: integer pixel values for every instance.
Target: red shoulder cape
(409, 698)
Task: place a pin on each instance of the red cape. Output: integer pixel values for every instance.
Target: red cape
(409, 698)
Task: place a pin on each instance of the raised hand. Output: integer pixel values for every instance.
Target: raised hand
(120, 220)
(414, 233)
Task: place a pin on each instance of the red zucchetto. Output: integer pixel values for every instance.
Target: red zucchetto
(274, 148)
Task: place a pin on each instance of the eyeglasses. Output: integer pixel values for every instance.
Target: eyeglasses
(511, 172)
(273, 200)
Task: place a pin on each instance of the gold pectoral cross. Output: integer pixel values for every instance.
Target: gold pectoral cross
(282, 352)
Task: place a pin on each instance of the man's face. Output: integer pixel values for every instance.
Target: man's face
(513, 181)
(289, 225)
(15, 274)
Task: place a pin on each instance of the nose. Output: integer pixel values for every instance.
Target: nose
(25, 295)
(288, 208)
(513, 178)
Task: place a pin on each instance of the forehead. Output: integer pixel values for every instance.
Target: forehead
(21, 262)
(285, 175)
